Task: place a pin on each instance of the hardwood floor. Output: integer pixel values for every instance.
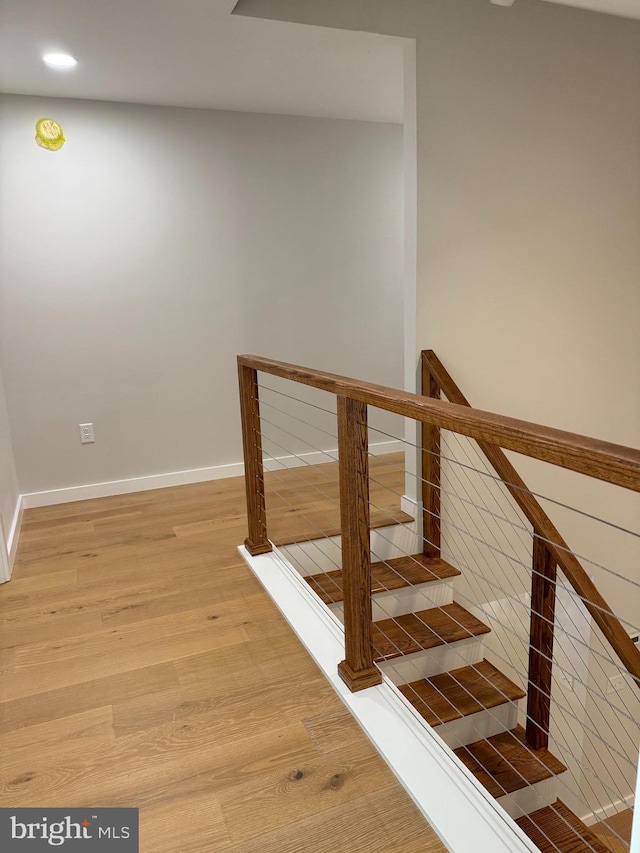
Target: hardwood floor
(616, 831)
(143, 665)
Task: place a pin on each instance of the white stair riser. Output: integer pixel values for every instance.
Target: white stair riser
(324, 555)
(410, 599)
(530, 798)
(430, 662)
(475, 727)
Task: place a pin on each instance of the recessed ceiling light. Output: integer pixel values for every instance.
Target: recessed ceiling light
(59, 60)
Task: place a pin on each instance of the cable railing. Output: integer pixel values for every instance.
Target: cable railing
(492, 628)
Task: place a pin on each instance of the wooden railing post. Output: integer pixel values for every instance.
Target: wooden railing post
(543, 605)
(257, 541)
(430, 470)
(357, 670)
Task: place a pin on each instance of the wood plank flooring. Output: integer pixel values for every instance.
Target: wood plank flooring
(303, 503)
(142, 665)
(615, 832)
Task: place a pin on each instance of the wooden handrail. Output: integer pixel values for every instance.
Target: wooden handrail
(602, 460)
(618, 638)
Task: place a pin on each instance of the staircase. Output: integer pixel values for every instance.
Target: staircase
(462, 701)
(401, 616)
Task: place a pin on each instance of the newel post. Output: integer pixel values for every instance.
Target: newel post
(357, 670)
(430, 470)
(543, 606)
(257, 541)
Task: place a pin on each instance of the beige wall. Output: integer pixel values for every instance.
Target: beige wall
(528, 199)
(156, 245)
(528, 217)
(528, 229)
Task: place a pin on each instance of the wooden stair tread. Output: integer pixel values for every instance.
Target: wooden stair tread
(504, 763)
(318, 528)
(390, 574)
(556, 829)
(461, 692)
(413, 632)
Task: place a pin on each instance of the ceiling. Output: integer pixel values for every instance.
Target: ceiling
(195, 53)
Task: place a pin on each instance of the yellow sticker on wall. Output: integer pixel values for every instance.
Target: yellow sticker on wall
(49, 134)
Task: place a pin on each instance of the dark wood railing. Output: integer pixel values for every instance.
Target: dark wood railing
(549, 551)
(599, 459)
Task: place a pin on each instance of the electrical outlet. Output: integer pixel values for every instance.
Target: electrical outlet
(616, 684)
(86, 433)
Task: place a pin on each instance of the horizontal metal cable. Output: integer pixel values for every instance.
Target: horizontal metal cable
(333, 499)
(299, 400)
(299, 420)
(512, 485)
(566, 550)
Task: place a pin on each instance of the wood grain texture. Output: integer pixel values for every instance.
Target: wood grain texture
(304, 503)
(541, 632)
(430, 469)
(397, 573)
(357, 669)
(556, 829)
(182, 693)
(463, 691)
(257, 542)
(615, 832)
(598, 608)
(504, 763)
(172, 735)
(426, 629)
(603, 460)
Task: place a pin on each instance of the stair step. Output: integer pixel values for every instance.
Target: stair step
(556, 829)
(413, 632)
(504, 763)
(291, 526)
(461, 692)
(388, 575)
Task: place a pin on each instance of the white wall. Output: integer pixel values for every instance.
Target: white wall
(156, 245)
(8, 483)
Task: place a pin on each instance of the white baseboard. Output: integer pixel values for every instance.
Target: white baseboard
(608, 811)
(9, 542)
(135, 484)
(411, 506)
(439, 784)
(183, 478)
(14, 531)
